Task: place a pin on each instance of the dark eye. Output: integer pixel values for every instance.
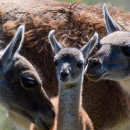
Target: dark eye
(28, 82)
(98, 45)
(126, 50)
(56, 63)
(79, 65)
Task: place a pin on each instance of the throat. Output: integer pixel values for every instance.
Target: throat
(126, 85)
(69, 107)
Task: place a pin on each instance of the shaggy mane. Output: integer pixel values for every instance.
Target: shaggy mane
(75, 24)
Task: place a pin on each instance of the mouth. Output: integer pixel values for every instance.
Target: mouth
(41, 124)
(64, 79)
(38, 121)
(96, 74)
(23, 113)
(94, 78)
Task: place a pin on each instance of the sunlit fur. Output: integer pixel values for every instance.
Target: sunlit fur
(112, 62)
(75, 24)
(69, 63)
(21, 92)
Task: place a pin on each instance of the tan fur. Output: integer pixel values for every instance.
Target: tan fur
(85, 120)
(84, 117)
(105, 102)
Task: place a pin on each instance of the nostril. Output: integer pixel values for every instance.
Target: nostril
(94, 62)
(64, 74)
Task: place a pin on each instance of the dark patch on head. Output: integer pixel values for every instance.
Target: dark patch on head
(69, 53)
(74, 31)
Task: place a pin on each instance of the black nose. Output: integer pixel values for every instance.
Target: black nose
(94, 62)
(64, 74)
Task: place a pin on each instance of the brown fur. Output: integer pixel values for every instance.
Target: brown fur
(21, 91)
(105, 102)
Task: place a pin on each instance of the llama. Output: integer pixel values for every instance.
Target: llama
(75, 24)
(21, 92)
(112, 61)
(69, 63)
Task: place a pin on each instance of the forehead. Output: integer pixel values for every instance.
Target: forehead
(116, 38)
(21, 64)
(69, 53)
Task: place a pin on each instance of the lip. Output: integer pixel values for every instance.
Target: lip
(41, 124)
(64, 79)
(30, 118)
(94, 78)
(22, 112)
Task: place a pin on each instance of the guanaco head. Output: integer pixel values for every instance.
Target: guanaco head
(69, 62)
(112, 61)
(21, 91)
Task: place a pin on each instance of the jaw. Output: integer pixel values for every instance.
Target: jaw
(114, 76)
(97, 74)
(104, 76)
(19, 119)
(24, 122)
(70, 82)
(95, 77)
(64, 80)
(24, 119)
(125, 84)
(40, 112)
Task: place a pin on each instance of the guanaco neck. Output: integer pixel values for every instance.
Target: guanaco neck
(70, 102)
(126, 85)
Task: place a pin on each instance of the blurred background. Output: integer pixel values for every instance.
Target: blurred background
(123, 4)
(5, 123)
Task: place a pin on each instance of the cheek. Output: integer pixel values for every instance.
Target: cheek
(117, 71)
(117, 58)
(57, 72)
(58, 69)
(75, 74)
(72, 73)
(118, 68)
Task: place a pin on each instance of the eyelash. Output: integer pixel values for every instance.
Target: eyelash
(79, 65)
(126, 50)
(56, 63)
(98, 45)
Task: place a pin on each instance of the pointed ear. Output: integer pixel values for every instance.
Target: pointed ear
(55, 45)
(111, 25)
(14, 46)
(87, 49)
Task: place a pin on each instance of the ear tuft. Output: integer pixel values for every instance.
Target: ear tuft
(19, 38)
(111, 25)
(56, 46)
(87, 49)
(14, 46)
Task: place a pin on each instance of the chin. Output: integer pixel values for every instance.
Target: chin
(112, 77)
(94, 79)
(65, 81)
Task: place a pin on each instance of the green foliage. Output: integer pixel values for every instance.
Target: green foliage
(123, 4)
(5, 123)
